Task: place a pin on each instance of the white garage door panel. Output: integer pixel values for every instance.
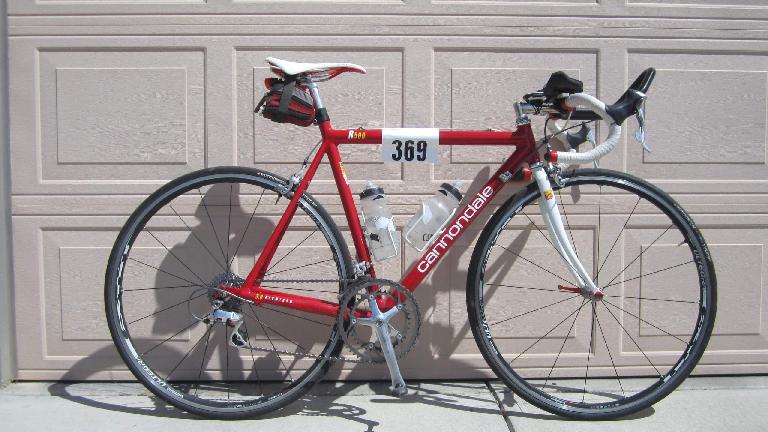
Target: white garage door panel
(109, 100)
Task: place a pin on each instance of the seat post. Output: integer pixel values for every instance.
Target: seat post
(316, 95)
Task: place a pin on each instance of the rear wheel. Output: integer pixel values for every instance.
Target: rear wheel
(194, 234)
(582, 357)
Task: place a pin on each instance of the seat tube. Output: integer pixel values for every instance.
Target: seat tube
(316, 95)
(348, 203)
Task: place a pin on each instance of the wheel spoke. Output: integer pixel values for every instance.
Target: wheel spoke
(202, 361)
(215, 259)
(160, 288)
(229, 222)
(176, 257)
(266, 333)
(248, 225)
(528, 288)
(253, 358)
(550, 331)
(170, 307)
(265, 325)
(168, 273)
(568, 263)
(170, 337)
(167, 377)
(213, 226)
(651, 273)
(289, 252)
(599, 231)
(642, 320)
(589, 353)
(652, 299)
(573, 296)
(642, 251)
(633, 341)
(565, 339)
(226, 351)
(537, 265)
(618, 236)
(600, 327)
(302, 266)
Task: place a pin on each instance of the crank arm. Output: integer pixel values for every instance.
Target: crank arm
(398, 387)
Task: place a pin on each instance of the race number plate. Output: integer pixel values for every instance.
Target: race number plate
(410, 145)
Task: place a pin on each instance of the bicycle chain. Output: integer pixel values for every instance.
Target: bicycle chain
(310, 355)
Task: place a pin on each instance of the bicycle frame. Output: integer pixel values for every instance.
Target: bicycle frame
(525, 151)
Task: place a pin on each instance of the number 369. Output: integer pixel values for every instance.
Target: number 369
(409, 150)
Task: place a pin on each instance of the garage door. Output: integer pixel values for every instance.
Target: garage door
(109, 100)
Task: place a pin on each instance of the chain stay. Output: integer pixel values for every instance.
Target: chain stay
(352, 284)
(308, 355)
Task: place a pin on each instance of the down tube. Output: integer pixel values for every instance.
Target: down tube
(452, 232)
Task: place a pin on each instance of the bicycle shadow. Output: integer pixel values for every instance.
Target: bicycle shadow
(187, 264)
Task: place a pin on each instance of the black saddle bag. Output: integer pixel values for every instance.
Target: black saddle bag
(287, 102)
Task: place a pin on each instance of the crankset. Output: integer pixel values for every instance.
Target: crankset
(380, 322)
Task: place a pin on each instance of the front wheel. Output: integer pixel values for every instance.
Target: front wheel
(582, 357)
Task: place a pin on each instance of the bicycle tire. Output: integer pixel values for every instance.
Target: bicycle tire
(179, 392)
(562, 383)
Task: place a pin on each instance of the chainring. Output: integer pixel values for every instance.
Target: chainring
(404, 326)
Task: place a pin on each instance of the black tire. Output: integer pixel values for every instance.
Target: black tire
(270, 383)
(673, 328)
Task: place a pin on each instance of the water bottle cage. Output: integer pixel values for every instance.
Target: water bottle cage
(374, 237)
(435, 235)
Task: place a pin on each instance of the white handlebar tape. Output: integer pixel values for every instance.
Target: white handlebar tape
(614, 134)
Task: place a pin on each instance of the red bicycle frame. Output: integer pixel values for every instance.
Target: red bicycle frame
(525, 151)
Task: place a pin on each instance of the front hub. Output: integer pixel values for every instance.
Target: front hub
(597, 295)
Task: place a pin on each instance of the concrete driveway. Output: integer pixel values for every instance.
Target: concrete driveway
(701, 404)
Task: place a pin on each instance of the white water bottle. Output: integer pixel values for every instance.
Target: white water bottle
(377, 220)
(434, 213)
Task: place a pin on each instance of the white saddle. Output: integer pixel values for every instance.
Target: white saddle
(322, 70)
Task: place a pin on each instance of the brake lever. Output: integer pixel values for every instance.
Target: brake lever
(640, 116)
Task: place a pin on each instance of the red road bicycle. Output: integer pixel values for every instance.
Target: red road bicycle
(590, 292)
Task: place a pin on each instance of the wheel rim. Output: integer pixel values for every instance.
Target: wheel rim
(572, 364)
(175, 251)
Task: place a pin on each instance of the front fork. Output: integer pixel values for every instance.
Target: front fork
(551, 215)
